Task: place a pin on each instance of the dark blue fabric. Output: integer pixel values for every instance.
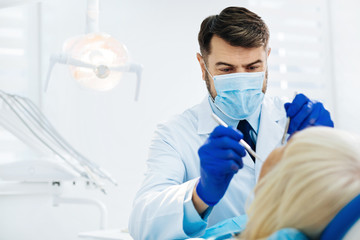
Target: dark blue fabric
(245, 128)
(343, 221)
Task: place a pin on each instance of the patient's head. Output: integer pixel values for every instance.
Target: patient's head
(305, 184)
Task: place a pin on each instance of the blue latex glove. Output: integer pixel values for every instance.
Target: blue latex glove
(304, 113)
(220, 158)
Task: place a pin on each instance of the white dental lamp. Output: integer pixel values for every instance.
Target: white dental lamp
(96, 60)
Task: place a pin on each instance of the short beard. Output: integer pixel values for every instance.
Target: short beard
(264, 88)
(207, 81)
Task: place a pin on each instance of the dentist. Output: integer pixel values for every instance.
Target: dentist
(197, 172)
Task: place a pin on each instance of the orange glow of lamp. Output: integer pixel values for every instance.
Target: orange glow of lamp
(96, 60)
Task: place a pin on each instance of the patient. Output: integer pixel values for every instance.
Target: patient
(304, 184)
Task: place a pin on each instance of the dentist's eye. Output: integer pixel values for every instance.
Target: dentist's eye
(225, 70)
(252, 68)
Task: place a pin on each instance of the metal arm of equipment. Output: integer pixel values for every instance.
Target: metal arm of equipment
(21, 117)
(99, 70)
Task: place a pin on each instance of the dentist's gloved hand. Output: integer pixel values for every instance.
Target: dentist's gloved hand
(220, 158)
(304, 113)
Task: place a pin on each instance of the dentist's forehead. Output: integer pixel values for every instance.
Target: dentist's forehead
(223, 52)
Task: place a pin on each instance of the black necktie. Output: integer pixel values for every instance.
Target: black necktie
(245, 128)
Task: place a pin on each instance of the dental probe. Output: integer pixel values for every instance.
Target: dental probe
(286, 126)
(242, 142)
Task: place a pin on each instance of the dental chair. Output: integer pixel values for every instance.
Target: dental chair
(344, 226)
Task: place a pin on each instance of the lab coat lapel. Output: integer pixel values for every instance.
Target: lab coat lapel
(206, 123)
(270, 132)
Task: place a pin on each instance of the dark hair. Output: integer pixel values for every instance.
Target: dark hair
(236, 25)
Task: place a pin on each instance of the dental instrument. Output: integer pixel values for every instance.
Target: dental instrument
(285, 131)
(21, 117)
(242, 142)
(287, 126)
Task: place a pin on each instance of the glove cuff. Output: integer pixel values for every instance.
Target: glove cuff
(203, 193)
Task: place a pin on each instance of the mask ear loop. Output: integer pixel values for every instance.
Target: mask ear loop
(207, 70)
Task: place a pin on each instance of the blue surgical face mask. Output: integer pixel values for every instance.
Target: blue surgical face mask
(238, 94)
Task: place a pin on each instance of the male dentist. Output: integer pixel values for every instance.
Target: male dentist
(197, 172)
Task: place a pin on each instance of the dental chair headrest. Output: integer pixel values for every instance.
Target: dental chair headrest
(345, 224)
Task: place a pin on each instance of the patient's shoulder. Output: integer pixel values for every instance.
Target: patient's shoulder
(288, 234)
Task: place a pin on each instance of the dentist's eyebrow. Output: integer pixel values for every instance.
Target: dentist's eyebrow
(224, 63)
(250, 64)
(231, 65)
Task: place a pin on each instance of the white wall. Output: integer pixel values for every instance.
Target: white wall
(113, 130)
(346, 61)
(109, 127)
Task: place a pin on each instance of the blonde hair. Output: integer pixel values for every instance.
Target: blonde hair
(318, 174)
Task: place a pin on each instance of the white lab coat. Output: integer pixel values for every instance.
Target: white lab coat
(173, 168)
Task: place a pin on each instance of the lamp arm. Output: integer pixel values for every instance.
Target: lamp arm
(132, 67)
(92, 16)
(137, 68)
(64, 59)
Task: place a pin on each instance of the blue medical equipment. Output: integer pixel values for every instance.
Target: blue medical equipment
(346, 224)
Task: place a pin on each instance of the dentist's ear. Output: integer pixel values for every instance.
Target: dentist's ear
(269, 51)
(202, 64)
